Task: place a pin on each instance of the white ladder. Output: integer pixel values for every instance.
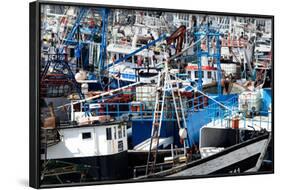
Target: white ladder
(156, 125)
(178, 106)
(158, 115)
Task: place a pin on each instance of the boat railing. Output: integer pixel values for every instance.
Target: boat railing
(138, 110)
(126, 103)
(217, 114)
(259, 121)
(223, 117)
(255, 122)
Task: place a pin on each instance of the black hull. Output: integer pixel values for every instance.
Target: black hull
(101, 168)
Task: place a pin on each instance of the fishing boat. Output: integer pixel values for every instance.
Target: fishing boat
(234, 140)
(232, 145)
(221, 156)
(96, 143)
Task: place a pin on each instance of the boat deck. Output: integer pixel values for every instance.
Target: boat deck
(257, 123)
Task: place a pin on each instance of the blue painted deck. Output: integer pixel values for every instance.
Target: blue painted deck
(196, 118)
(141, 130)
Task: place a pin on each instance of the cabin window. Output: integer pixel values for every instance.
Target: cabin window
(209, 74)
(196, 74)
(108, 134)
(189, 74)
(42, 151)
(135, 59)
(119, 132)
(120, 146)
(86, 135)
(71, 52)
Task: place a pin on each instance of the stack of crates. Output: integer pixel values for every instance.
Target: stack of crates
(250, 102)
(147, 95)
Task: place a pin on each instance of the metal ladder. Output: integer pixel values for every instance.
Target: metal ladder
(178, 106)
(158, 116)
(156, 125)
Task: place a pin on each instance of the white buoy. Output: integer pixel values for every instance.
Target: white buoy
(84, 88)
(78, 76)
(182, 133)
(81, 75)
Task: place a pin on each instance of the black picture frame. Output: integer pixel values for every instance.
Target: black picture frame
(34, 94)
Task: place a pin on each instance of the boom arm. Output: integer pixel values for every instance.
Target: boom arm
(177, 37)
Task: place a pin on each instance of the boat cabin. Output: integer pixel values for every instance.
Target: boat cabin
(209, 74)
(89, 141)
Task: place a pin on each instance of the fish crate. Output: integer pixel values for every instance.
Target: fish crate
(146, 94)
(250, 102)
(229, 68)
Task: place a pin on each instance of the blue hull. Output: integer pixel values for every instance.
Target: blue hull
(141, 128)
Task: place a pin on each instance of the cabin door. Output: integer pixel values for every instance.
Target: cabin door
(111, 141)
